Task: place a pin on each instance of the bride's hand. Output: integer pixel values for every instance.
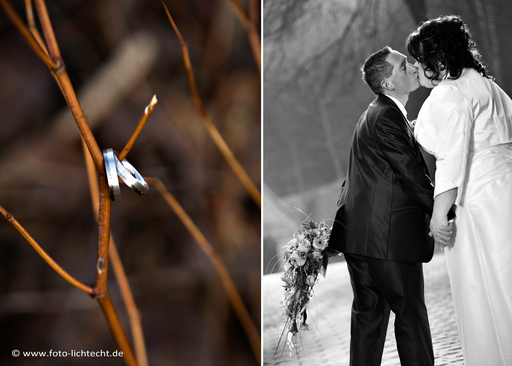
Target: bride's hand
(441, 230)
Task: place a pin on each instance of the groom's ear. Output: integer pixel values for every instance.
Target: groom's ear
(387, 85)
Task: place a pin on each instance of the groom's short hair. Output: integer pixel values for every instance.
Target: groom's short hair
(376, 68)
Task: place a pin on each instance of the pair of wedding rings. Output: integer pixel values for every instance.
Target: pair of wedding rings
(122, 169)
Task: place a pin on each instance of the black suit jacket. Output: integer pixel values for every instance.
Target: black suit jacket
(387, 198)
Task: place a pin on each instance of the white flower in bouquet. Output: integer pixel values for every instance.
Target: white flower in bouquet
(305, 257)
(304, 246)
(311, 280)
(316, 255)
(287, 266)
(319, 243)
(296, 258)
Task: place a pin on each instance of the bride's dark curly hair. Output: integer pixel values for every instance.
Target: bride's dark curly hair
(445, 43)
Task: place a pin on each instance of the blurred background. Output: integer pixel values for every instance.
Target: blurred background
(314, 95)
(118, 55)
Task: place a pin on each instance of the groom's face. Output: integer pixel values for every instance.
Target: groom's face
(404, 78)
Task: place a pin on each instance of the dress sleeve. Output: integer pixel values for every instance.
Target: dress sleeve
(452, 118)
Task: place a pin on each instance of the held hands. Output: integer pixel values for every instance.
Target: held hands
(441, 230)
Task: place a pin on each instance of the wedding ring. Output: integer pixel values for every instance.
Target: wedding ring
(131, 176)
(111, 170)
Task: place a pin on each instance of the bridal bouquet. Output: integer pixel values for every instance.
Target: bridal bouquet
(306, 255)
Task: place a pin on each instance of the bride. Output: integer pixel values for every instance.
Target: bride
(466, 123)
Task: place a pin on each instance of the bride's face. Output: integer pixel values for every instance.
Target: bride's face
(424, 81)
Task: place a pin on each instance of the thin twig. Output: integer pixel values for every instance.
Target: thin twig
(79, 285)
(92, 175)
(35, 33)
(117, 266)
(100, 288)
(254, 38)
(100, 283)
(81, 121)
(56, 66)
(227, 282)
(30, 14)
(58, 70)
(254, 12)
(32, 25)
(142, 122)
(215, 135)
(66, 87)
(117, 330)
(49, 34)
(131, 308)
(16, 20)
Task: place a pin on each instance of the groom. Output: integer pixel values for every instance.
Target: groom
(382, 225)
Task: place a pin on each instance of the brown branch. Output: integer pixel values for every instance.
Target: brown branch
(129, 302)
(35, 33)
(142, 122)
(215, 135)
(32, 25)
(100, 283)
(81, 121)
(56, 66)
(79, 285)
(65, 84)
(254, 12)
(254, 38)
(100, 289)
(18, 23)
(227, 282)
(93, 180)
(117, 330)
(104, 301)
(254, 41)
(49, 34)
(30, 14)
(117, 266)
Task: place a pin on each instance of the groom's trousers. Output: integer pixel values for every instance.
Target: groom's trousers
(378, 286)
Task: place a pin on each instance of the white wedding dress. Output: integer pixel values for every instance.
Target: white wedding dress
(467, 124)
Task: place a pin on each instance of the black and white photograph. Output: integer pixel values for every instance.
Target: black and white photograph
(387, 183)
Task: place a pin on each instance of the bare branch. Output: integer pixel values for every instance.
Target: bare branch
(117, 330)
(215, 135)
(32, 25)
(227, 282)
(67, 89)
(49, 34)
(40, 52)
(254, 38)
(131, 307)
(142, 122)
(100, 284)
(254, 12)
(79, 285)
(117, 265)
